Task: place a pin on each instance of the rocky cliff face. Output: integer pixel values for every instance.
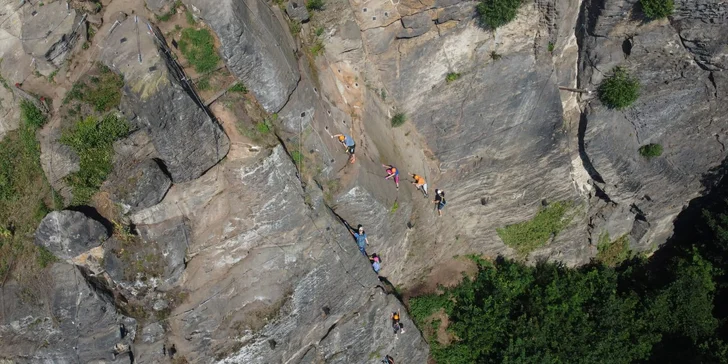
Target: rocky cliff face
(235, 249)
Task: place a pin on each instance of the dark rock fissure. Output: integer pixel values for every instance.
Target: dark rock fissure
(582, 151)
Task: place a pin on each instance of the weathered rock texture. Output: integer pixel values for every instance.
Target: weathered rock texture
(49, 32)
(63, 320)
(141, 187)
(255, 47)
(266, 271)
(69, 233)
(681, 107)
(186, 136)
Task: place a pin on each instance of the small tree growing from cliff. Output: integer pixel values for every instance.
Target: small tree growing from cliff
(496, 13)
(657, 9)
(398, 119)
(619, 90)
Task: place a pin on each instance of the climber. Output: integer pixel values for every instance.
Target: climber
(392, 172)
(376, 262)
(439, 201)
(388, 360)
(396, 324)
(348, 143)
(420, 183)
(361, 239)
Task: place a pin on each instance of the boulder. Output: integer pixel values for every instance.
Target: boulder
(141, 187)
(171, 238)
(49, 32)
(296, 10)
(186, 136)
(255, 47)
(63, 319)
(67, 233)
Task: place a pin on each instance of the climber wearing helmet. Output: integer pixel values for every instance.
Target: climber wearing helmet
(348, 143)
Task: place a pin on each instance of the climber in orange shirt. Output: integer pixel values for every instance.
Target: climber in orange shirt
(420, 183)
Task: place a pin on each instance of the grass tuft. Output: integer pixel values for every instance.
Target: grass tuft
(92, 140)
(532, 234)
(452, 76)
(239, 87)
(315, 5)
(612, 253)
(198, 47)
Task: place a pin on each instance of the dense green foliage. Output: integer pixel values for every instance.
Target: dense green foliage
(529, 235)
(496, 13)
(398, 119)
(651, 150)
(25, 195)
(619, 90)
(657, 9)
(312, 5)
(668, 309)
(92, 140)
(198, 47)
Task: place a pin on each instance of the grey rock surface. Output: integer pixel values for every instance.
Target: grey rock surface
(679, 107)
(171, 237)
(188, 140)
(49, 32)
(296, 9)
(255, 47)
(415, 25)
(65, 320)
(158, 7)
(703, 30)
(283, 276)
(69, 233)
(57, 160)
(141, 187)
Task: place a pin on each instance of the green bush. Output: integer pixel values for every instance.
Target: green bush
(93, 141)
(398, 119)
(657, 9)
(297, 157)
(529, 235)
(198, 47)
(651, 150)
(319, 31)
(312, 5)
(239, 87)
(452, 76)
(496, 13)
(619, 90)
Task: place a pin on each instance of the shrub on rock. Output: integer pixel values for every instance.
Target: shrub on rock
(657, 9)
(619, 90)
(651, 150)
(496, 13)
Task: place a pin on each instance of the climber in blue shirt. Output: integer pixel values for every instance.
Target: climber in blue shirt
(348, 143)
(361, 239)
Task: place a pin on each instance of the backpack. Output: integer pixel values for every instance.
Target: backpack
(442, 202)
